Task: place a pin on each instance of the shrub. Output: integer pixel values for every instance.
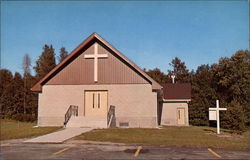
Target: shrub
(233, 118)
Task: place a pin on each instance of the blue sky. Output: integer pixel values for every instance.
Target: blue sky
(150, 33)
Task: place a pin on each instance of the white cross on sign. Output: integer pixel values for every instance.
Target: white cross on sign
(96, 56)
(214, 114)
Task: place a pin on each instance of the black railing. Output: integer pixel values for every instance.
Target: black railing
(111, 115)
(73, 110)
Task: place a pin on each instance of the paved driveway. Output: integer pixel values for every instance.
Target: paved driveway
(82, 151)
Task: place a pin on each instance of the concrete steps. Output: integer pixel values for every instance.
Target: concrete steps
(91, 122)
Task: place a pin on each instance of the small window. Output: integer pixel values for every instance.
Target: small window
(98, 100)
(124, 124)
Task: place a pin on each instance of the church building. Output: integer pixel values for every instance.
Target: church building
(97, 86)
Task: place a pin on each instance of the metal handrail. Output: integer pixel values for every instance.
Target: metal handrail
(72, 110)
(110, 115)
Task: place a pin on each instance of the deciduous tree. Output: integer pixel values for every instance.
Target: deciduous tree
(26, 71)
(158, 76)
(232, 77)
(203, 95)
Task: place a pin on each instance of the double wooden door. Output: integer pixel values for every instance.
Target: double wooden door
(96, 103)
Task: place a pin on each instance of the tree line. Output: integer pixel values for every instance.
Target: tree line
(17, 101)
(227, 80)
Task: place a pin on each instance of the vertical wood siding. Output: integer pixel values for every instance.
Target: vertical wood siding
(111, 70)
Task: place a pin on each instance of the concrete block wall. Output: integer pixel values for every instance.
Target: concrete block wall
(134, 103)
(169, 113)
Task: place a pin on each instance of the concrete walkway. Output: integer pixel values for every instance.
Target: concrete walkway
(59, 136)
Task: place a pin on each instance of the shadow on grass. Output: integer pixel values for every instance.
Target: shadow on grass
(209, 130)
(223, 130)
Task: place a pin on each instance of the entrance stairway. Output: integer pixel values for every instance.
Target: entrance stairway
(92, 122)
(73, 120)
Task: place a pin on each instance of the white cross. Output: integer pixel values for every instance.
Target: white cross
(96, 56)
(173, 77)
(217, 110)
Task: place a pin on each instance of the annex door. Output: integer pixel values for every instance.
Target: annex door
(180, 116)
(96, 103)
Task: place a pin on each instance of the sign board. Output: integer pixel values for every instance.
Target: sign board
(212, 116)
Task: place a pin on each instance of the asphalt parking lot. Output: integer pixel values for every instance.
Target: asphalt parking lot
(83, 151)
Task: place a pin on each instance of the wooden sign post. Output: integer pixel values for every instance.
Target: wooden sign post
(214, 114)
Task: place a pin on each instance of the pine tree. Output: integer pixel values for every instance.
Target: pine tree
(18, 99)
(179, 70)
(46, 62)
(5, 79)
(6, 91)
(32, 97)
(63, 54)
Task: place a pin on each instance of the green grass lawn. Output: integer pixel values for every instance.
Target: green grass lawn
(171, 136)
(13, 130)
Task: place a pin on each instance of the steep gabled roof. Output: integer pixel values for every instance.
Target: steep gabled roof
(38, 86)
(176, 90)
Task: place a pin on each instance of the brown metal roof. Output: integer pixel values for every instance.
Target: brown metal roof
(176, 90)
(93, 37)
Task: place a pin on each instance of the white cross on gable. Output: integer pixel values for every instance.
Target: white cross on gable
(214, 114)
(96, 56)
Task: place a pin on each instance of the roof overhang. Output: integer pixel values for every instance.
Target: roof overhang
(175, 100)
